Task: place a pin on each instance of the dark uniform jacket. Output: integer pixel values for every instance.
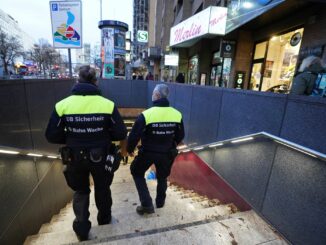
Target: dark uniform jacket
(303, 83)
(160, 129)
(85, 119)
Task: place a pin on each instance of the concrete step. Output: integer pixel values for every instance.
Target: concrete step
(122, 201)
(246, 228)
(126, 205)
(127, 223)
(169, 215)
(238, 228)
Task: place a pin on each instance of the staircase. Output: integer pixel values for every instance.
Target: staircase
(187, 218)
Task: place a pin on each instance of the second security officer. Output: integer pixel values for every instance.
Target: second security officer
(86, 123)
(160, 129)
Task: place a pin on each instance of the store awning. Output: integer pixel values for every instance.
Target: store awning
(240, 12)
(211, 21)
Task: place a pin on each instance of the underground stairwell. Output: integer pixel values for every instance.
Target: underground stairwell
(186, 218)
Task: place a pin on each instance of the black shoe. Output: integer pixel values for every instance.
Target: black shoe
(82, 237)
(105, 221)
(145, 210)
(160, 205)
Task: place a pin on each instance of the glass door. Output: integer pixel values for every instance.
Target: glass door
(215, 78)
(256, 76)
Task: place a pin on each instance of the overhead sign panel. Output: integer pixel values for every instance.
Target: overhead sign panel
(209, 21)
(171, 60)
(66, 24)
(142, 36)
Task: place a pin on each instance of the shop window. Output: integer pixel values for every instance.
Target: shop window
(273, 71)
(260, 50)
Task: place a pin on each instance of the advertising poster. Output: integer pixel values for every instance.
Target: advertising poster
(119, 39)
(108, 44)
(119, 64)
(108, 50)
(108, 71)
(66, 24)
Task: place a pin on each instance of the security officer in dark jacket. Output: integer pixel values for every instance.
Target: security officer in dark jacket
(160, 130)
(87, 123)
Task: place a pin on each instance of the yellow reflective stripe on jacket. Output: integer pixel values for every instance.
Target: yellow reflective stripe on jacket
(162, 114)
(88, 104)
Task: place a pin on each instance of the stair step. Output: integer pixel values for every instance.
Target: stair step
(126, 201)
(130, 216)
(236, 230)
(127, 223)
(186, 218)
(239, 228)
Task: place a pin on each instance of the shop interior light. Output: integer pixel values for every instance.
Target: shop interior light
(34, 155)
(274, 38)
(9, 152)
(182, 147)
(215, 145)
(53, 157)
(198, 148)
(242, 140)
(247, 5)
(185, 151)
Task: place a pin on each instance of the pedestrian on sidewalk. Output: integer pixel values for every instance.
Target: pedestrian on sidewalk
(86, 123)
(304, 82)
(160, 130)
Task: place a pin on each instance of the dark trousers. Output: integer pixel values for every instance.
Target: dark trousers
(163, 163)
(77, 177)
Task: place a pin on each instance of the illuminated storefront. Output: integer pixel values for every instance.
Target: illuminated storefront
(275, 62)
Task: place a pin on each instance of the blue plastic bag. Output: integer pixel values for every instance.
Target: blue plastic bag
(151, 175)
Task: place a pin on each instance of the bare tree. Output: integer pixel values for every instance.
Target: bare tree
(44, 55)
(10, 49)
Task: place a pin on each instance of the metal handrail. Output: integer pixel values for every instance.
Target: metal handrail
(297, 147)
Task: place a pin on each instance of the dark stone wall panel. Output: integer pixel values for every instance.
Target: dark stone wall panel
(14, 124)
(305, 121)
(18, 178)
(296, 198)
(246, 167)
(205, 113)
(30, 218)
(207, 155)
(13, 236)
(138, 94)
(247, 112)
(183, 103)
(117, 90)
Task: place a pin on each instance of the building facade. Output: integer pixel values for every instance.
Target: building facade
(261, 47)
(140, 24)
(10, 26)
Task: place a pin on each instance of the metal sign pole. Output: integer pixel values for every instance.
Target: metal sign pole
(69, 57)
(100, 9)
